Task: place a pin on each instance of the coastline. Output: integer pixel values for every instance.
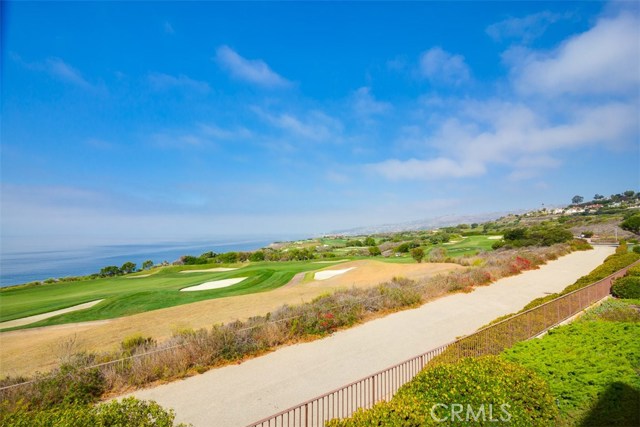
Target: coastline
(21, 267)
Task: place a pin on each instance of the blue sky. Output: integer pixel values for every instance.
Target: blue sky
(130, 122)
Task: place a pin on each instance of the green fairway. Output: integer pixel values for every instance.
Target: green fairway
(469, 245)
(126, 295)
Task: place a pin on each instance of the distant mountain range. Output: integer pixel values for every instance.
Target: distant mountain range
(426, 224)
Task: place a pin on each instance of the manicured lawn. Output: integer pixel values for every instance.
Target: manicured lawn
(125, 295)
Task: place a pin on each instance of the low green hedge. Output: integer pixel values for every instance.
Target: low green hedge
(626, 287)
(471, 392)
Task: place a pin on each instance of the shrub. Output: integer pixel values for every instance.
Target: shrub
(512, 391)
(127, 412)
(135, 343)
(626, 287)
(622, 248)
(612, 310)
(580, 245)
(634, 271)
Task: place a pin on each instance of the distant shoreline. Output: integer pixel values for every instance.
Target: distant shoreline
(21, 267)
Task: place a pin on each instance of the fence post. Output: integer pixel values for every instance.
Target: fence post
(373, 390)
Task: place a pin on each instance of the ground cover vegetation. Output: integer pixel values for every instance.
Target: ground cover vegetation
(591, 365)
(192, 351)
(582, 374)
(488, 390)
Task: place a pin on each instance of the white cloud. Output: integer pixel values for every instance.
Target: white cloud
(254, 71)
(514, 135)
(217, 132)
(315, 126)
(65, 72)
(437, 168)
(366, 105)
(528, 135)
(160, 81)
(604, 60)
(527, 29)
(438, 65)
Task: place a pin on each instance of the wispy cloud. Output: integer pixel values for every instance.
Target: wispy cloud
(160, 81)
(528, 135)
(219, 133)
(254, 71)
(314, 126)
(60, 69)
(525, 29)
(603, 60)
(440, 66)
(365, 104)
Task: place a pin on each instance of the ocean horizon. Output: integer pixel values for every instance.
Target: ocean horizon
(24, 266)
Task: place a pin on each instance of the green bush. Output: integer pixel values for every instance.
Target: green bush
(129, 412)
(612, 310)
(134, 343)
(507, 390)
(634, 271)
(626, 287)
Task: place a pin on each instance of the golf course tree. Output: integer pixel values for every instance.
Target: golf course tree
(147, 264)
(417, 254)
(128, 267)
(110, 271)
(576, 200)
(598, 197)
(369, 241)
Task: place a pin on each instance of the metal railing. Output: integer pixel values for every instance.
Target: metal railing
(493, 339)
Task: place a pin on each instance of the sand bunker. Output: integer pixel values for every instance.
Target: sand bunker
(494, 237)
(210, 270)
(328, 274)
(38, 317)
(140, 276)
(216, 284)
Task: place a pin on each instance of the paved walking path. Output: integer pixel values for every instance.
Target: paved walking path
(237, 395)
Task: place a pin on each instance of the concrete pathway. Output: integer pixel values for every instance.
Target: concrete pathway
(240, 394)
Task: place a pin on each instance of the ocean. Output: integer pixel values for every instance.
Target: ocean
(27, 266)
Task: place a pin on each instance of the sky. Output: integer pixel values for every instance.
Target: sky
(144, 121)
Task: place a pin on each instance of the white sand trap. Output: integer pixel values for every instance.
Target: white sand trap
(328, 274)
(32, 319)
(494, 237)
(139, 276)
(210, 270)
(216, 284)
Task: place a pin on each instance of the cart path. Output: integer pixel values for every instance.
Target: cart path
(237, 395)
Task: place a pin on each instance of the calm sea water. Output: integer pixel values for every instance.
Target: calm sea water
(27, 266)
